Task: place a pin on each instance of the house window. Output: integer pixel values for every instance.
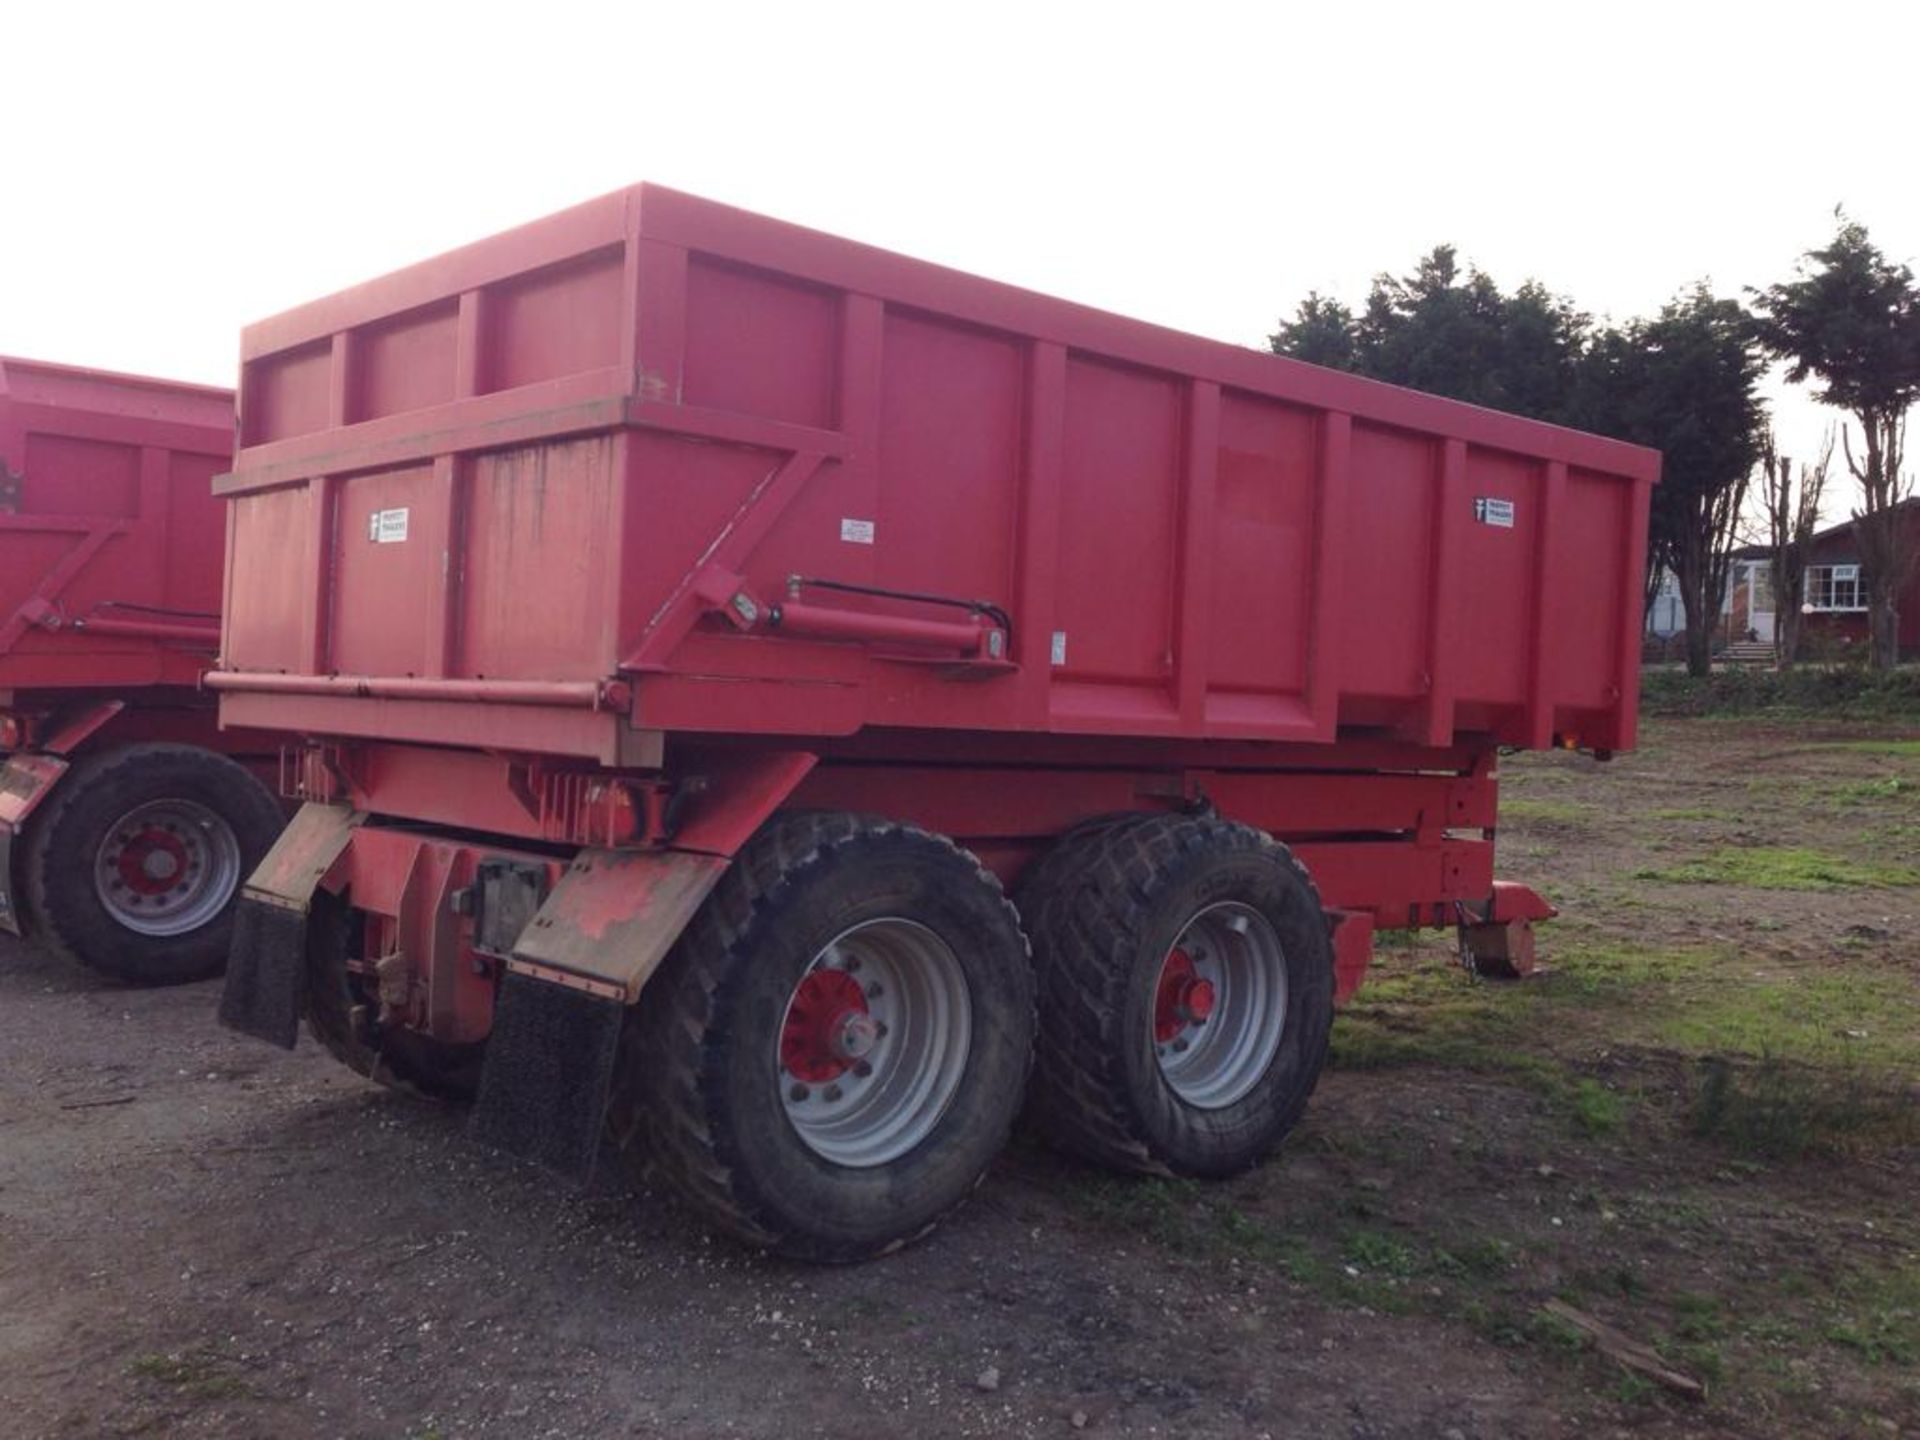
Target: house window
(1834, 587)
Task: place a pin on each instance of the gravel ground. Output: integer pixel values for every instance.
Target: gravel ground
(201, 1236)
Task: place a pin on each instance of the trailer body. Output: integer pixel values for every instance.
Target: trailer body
(620, 533)
(1197, 541)
(110, 568)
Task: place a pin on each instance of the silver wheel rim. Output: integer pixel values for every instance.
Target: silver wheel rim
(1220, 1005)
(873, 1043)
(167, 867)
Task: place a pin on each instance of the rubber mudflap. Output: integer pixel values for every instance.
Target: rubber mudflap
(549, 1068)
(264, 972)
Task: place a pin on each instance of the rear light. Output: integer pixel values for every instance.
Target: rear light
(579, 807)
(615, 812)
(13, 732)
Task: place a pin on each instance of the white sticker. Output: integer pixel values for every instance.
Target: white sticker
(387, 527)
(1059, 647)
(1494, 512)
(857, 532)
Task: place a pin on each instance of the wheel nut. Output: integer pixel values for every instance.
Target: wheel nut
(863, 1070)
(798, 1092)
(1179, 1046)
(831, 1093)
(853, 965)
(874, 992)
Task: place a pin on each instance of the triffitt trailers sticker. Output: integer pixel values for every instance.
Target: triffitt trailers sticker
(1489, 511)
(387, 527)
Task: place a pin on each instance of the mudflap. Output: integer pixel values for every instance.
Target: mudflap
(267, 965)
(575, 968)
(265, 972)
(548, 1074)
(25, 780)
(9, 912)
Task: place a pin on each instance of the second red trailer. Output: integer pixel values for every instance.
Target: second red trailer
(128, 818)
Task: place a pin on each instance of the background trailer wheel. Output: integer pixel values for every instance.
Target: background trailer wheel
(133, 864)
(1185, 994)
(836, 1049)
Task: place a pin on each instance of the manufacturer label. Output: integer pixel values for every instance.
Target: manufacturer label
(857, 532)
(1489, 511)
(1059, 647)
(387, 527)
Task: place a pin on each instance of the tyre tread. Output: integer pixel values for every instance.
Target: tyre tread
(670, 1089)
(1086, 904)
(84, 779)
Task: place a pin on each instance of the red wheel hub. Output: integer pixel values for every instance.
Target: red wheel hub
(1182, 999)
(152, 863)
(827, 1029)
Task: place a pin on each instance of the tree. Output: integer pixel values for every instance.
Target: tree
(1792, 514)
(1449, 332)
(1321, 333)
(1850, 319)
(1686, 383)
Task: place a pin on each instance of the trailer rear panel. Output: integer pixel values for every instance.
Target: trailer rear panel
(638, 469)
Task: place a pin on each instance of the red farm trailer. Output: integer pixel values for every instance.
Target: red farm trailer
(698, 627)
(126, 822)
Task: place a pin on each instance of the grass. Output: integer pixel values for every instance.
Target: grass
(1697, 1317)
(1764, 867)
(1854, 794)
(1414, 1014)
(1856, 1016)
(1561, 812)
(1355, 1261)
(1876, 1316)
(1596, 1109)
(192, 1372)
(1909, 749)
(1383, 1253)
(1790, 1062)
(1825, 692)
(1778, 1111)
(1479, 1282)
(1183, 1215)
(1202, 1223)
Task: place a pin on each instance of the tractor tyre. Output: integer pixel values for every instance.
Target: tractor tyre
(1186, 995)
(133, 866)
(835, 1051)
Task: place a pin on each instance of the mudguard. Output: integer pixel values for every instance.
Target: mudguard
(25, 781)
(267, 964)
(573, 972)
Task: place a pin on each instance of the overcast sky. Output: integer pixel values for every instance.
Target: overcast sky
(170, 172)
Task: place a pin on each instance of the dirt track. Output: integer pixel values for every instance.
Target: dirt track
(202, 1236)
